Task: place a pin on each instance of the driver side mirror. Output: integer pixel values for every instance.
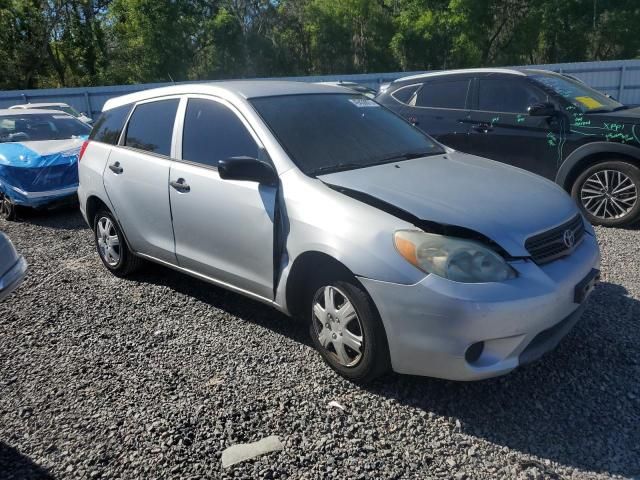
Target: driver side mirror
(544, 109)
(249, 169)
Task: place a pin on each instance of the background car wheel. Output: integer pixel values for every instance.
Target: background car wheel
(7, 208)
(112, 247)
(607, 193)
(347, 331)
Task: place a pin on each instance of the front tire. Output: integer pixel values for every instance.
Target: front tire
(112, 247)
(7, 208)
(347, 331)
(607, 193)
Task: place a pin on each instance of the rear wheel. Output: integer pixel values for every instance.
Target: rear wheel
(347, 331)
(7, 208)
(111, 245)
(607, 193)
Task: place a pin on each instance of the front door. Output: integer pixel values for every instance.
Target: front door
(223, 228)
(501, 129)
(136, 178)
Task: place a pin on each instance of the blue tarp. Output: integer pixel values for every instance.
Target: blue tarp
(37, 173)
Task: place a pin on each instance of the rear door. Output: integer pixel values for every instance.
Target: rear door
(439, 107)
(137, 174)
(501, 128)
(223, 228)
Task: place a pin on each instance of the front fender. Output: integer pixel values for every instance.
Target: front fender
(580, 155)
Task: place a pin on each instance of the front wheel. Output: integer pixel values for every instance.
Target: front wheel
(7, 208)
(347, 331)
(607, 193)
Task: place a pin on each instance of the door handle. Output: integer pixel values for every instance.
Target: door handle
(180, 185)
(413, 121)
(116, 168)
(482, 127)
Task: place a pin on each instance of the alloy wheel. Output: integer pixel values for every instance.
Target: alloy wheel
(337, 326)
(608, 194)
(108, 241)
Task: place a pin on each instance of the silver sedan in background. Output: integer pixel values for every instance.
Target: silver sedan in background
(13, 267)
(400, 253)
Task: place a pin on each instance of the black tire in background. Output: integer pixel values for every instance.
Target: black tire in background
(607, 188)
(126, 261)
(374, 359)
(7, 208)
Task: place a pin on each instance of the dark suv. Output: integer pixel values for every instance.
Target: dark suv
(548, 123)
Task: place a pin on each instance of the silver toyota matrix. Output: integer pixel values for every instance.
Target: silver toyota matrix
(400, 253)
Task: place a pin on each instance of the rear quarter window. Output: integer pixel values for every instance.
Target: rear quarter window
(405, 94)
(109, 125)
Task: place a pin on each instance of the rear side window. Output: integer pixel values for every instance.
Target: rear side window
(108, 127)
(510, 95)
(212, 132)
(443, 94)
(151, 126)
(404, 94)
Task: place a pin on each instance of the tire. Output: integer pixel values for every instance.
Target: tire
(7, 208)
(607, 193)
(115, 255)
(372, 359)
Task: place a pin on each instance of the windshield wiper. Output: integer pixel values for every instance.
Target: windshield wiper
(336, 168)
(621, 107)
(405, 156)
(340, 167)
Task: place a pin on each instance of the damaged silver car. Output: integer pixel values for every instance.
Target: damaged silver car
(400, 253)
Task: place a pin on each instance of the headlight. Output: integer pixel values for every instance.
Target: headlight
(453, 258)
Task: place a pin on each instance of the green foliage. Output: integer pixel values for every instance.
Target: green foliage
(49, 43)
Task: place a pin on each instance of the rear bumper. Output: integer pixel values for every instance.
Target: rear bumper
(12, 278)
(431, 325)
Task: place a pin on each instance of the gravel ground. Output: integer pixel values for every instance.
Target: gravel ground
(154, 376)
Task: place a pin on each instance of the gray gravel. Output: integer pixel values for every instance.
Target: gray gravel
(154, 376)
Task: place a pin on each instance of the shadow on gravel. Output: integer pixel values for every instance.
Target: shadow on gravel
(61, 218)
(579, 405)
(232, 303)
(14, 465)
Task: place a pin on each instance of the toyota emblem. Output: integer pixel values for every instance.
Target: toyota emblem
(569, 238)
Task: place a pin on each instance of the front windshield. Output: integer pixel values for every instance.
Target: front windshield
(578, 94)
(70, 111)
(324, 133)
(46, 126)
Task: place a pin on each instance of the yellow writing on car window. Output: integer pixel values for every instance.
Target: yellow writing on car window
(589, 102)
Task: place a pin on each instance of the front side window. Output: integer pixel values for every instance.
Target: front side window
(109, 125)
(507, 95)
(212, 132)
(332, 132)
(46, 126)
(581, 96)
(443, 94)
(151, 126)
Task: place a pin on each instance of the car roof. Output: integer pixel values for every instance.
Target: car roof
(239, 88)
(25, 111)
(40, 105)
(467, 71)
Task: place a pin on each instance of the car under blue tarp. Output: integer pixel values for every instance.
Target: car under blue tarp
(36, 173)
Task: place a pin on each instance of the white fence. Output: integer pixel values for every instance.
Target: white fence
(619, 78)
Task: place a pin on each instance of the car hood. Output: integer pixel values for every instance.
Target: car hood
(504, 203)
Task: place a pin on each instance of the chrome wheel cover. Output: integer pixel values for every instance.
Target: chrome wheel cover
(608, 194)
(337, 326)
(108, 241)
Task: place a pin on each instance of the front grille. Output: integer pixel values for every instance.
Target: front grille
(547, 246)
